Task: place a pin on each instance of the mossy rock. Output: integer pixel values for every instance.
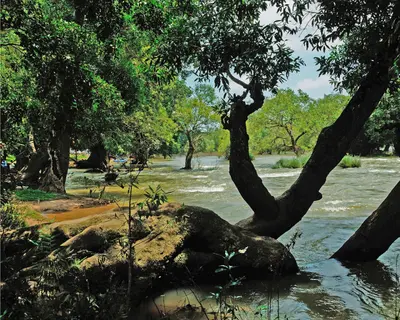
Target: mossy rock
(177, 244)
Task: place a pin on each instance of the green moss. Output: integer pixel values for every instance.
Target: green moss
(35, 194)
(350, 162)
(291, 163)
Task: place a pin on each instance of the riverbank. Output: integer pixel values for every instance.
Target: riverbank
(324, 287)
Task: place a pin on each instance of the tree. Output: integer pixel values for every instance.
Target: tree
(382, 130)
(91, 70)
(222, 39)
(292, 122)
(377, 232)
(286, 118)
(17, 98)
(195, 116)
(64, 52)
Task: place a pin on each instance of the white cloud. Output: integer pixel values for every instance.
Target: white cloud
(293, 41)
(270, 15)
(312, 84)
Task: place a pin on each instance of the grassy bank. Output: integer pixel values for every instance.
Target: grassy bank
(291, 163)
(350, 162)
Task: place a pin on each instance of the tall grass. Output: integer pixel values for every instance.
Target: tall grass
(292, 163)
(350, 162)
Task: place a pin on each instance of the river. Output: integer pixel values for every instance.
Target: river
(324, 288)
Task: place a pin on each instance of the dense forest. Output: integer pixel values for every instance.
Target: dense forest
(133, 81)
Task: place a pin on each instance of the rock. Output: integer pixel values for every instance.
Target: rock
(177, 245)
(111, 176)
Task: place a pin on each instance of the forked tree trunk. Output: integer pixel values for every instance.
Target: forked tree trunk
(242, 170)
(376, 234)
(273, 217)
(190, 152)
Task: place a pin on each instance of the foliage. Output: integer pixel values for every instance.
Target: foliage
(291, 121)
(383, 127)
(56, 289)
(292, 163)
(11, 218)
(194, 114)
(35, 195)
(221, 296)
(220, 37)
(17, 93)
(362, 39)
(154, 198)
(350, 162)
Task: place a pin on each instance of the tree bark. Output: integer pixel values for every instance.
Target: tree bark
(96, 160)
(32, 172)
(242, 170)
(273, 217)
(190, 152)
(376, 234)
(55, 174)
(397, 143)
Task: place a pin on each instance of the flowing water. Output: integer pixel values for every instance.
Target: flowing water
(324, 289)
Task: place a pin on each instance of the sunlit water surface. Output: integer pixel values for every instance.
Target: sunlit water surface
(324, 289)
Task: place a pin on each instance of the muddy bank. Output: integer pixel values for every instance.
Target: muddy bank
(68, 208)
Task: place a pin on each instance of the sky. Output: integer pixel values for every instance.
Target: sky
(307, 79)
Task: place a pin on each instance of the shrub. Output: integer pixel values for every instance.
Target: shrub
(10, 217)
(35, 194)
(350, 162)
(291, 163)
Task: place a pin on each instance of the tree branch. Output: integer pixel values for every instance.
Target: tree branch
(302, 134)
(258, 98)
(236, 80)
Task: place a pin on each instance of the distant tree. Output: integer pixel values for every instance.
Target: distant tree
(195, 116)
(286, 118)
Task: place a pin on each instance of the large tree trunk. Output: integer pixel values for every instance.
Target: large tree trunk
(242, 170)
(25, 154)
(96, 160)
(55, 173)
(273, 217)
(31, 173)
(376, 234)
(48, 167)
(190, 152)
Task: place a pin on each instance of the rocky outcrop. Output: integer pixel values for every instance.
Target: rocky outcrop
(175, 245)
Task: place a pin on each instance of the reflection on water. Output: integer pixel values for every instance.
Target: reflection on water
(325, 289)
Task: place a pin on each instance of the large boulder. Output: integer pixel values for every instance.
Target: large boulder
(175, 245)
